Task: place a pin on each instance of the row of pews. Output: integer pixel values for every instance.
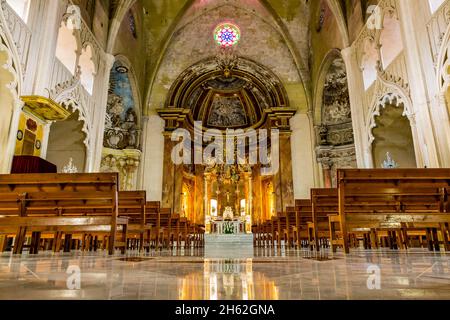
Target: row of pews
(393, 208)
(86, 212)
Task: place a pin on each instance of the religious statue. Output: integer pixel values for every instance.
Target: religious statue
(228, 214)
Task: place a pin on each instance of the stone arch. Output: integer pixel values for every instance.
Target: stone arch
(67, 140)
(259, 86)
(68, 47)
(335, 146)
(10, 90)
(70, 95)
(382, 25)
(87, 69)
(392, 133)
(393, 97)
(443, 71)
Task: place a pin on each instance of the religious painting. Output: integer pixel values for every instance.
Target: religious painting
(121, 127)
(227, 111)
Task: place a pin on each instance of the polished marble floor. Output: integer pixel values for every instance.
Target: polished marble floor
(257, 275)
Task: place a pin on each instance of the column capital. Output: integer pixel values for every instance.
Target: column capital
(109, 60)
(348, 52)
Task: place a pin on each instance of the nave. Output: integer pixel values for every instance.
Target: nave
(224, 149)
(60, 230)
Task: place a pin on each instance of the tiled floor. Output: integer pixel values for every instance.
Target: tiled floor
(261, 274)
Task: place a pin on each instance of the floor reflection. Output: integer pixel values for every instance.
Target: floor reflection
(269, 274)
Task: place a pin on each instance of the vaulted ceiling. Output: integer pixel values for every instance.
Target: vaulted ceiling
(179, 34)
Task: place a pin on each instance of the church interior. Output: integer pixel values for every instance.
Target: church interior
(224, 149)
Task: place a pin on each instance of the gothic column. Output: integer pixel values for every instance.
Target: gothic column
(256, 194)
(328, 180)
(100, 95)
(168, 192)
(431, 119)
(284, 186)
(356, 92)
(199, 195)
(283, 178)
(303, 159)
(172, 177)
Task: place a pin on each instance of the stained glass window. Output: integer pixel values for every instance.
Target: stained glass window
(227, 35)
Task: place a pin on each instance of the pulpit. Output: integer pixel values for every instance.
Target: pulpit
(30, 164)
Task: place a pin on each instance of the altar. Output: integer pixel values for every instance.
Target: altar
(227, 227)
(228, 224)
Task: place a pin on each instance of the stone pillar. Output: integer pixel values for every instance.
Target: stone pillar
(178, 189)
(431, 118)
(153, 144)
(256, 194)
(303, 160)
(206, 184)
(250, 197)
(283, 179)
(168, 173)
(328, 181)
(356, 92)
(199, 195)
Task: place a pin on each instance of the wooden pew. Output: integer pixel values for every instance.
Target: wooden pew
(376, 198)
(168, 226)
(196, 235)
(324, 204)
(279, 228)
(303, 209)
(291, 230)
(153, 211)
(265, 234)
(132, 204)
(60, 203)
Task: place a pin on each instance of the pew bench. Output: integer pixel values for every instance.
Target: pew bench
(392, 198)
(61, 203)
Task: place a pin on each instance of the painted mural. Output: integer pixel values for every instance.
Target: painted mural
(121, 127)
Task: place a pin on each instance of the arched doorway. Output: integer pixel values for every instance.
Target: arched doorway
(10, 82)
(67, 141)
(393, 144)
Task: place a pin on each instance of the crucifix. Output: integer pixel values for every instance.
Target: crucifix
(228, 197)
